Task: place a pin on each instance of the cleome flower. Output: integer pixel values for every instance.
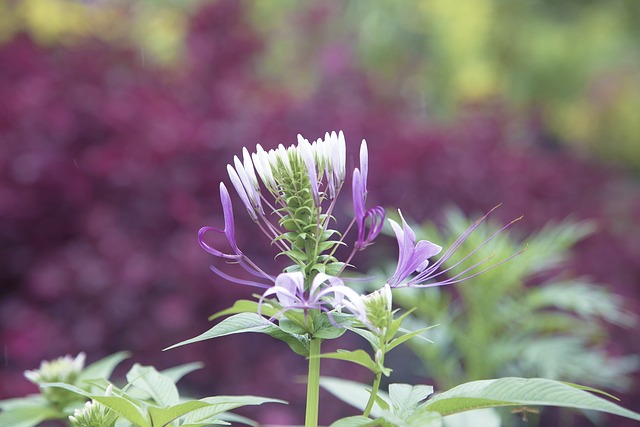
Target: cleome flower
(325, 293)
(290, 193)
(414, 257)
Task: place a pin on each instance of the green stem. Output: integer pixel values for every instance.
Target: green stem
(374, 393)
(313, 383)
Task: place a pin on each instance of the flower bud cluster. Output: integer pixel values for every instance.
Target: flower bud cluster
(94, 414)
(63, 369)
(378, 306)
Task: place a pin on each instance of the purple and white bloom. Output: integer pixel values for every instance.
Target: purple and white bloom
(414, 257)
(325, 293)
(302, 183)
(375, 216)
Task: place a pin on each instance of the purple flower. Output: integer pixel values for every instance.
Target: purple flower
(237, 255)
(289, 289)
(414, 257)
(375, 215)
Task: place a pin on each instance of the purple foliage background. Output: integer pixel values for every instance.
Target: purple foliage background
(108, 168)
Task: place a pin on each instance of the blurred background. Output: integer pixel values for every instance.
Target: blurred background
(117, 120)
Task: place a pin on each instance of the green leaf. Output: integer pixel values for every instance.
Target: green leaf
(249, 322)
(245, 306)
(125, 409)
(520, 392)
(323, 328)
(28, 415)
(163, 416)
(406, 337)
(357, 421)
(427, 419)
(405, 397)
(291, 327)
(102, 368)
(222, 404)
(359, 357)
(218, 406)
(297, 256)
(161, 389)
(119, 404)
(355, 394)
(487, 417)
(31, 400)
(237, 324)
(366, 334)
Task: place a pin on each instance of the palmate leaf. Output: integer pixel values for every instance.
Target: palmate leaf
(250, 322)
(520, 392)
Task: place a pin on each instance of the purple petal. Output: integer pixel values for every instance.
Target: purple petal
(289, 287)
(411, 256)
(227, 212)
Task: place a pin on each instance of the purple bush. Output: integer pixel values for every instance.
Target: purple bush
(109, 168)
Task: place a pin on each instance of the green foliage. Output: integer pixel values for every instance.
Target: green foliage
(149, 399)
(251, 322)
(403, 406)
(32, 410)
(528, 317)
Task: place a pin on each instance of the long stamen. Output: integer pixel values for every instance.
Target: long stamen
(427, 272)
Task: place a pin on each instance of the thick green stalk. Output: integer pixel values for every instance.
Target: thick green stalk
(374, 393)
(313, 383)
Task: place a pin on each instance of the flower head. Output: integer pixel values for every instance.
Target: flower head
(325, 293)
(302, 183)
(94, 414)
(63, 369)
(414, 257)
